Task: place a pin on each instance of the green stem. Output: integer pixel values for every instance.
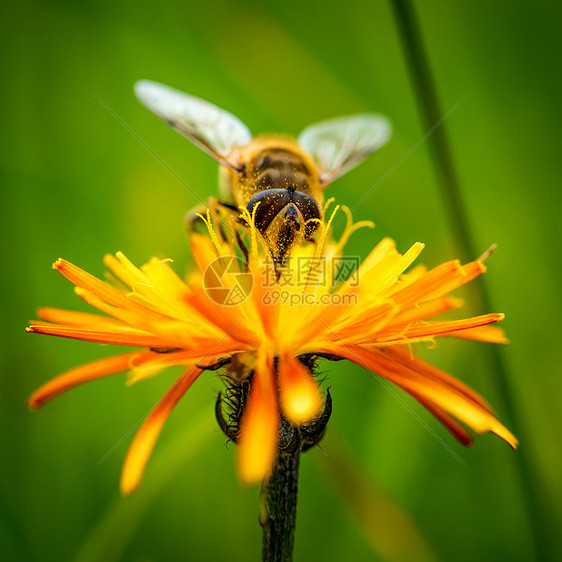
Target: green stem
(533, 495)
(278, 509)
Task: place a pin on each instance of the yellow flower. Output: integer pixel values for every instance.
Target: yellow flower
(371, 319)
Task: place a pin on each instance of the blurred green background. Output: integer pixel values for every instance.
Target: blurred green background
(76, 183)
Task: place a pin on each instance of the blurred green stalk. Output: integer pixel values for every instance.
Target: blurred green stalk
(410, 35)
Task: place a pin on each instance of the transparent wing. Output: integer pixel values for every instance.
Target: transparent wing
(338, 145)
(212, 129)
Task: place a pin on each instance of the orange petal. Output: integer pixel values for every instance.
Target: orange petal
(259, 434)
(456, 429)
(85, 280)
(431, 329)
(436, 283)
(80, 375)
(228, 318)
(117, 335)
(269, 314)
(175, 332)
(414, 363)
(143, 444)
(60, 316)
(157, 362)
(426, 310)
(488, 334)
(300, 396)
(366, 325)
(104, 291)
(440, 395)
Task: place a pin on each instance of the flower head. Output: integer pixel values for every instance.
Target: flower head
(370, 318)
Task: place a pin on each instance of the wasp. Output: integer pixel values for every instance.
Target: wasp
(279, 180)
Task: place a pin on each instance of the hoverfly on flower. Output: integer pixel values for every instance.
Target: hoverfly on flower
(281, 178)
(268, 351)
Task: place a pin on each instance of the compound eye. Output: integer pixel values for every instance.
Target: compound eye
(271, 202)
(309, 209)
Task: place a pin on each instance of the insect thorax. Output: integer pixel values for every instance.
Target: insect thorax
(279, 169)
(273, 164)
